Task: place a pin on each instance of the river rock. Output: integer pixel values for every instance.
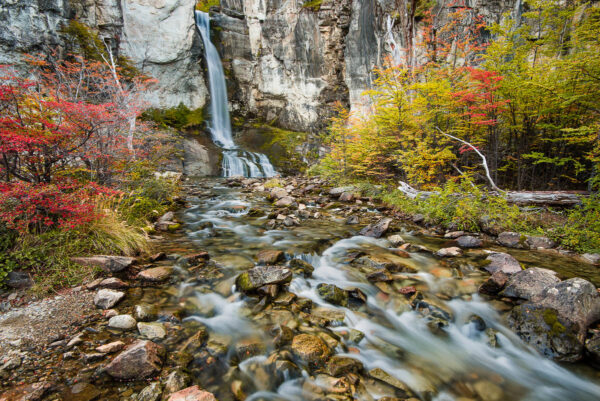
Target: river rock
(278, 193)
(341, 365)
(310, 348)
(378, 229)
(176, 381)
(270, 257)
(140, 360)
(152, 331)
(145, 312)
(503, 262)
(262, 275)
(113, 283)
(110, 348)
(453, 251)
(156, 274)
(193, 393)
(454, 234)
(152, 392)
(494, 284)
(122, 322)
(380, 275)
(540, 243)
(106, 299)
(285, 201)
(385, 377)
(529, 283)
(468, 241)
(338, 191)
(555, 322)
(332, 294)
(300, 266)
(110, 264)
(396, 240)
(512, 240)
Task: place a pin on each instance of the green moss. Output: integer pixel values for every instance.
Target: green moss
(243, 283)
(314, 5)
(176, 117)
(281, 147)
(273, 183)
(551, 319)
(205, 5)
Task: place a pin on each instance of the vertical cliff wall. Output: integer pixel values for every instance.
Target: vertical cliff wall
(157, 35)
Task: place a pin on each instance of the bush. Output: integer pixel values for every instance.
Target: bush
(582, 229)
(176, 117)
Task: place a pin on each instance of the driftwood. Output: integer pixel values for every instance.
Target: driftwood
(538, 198)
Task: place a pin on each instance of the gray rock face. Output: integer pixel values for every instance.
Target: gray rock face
(376, 230)
(106, 299)
(502, 262)
(140, 360)
(159, 36)
(555, 322)
(529, 283)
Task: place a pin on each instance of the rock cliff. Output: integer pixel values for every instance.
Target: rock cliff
(157, 35)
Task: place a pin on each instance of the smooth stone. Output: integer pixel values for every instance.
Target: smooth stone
(156, 274)
(110, 348)
(122, 322)
(503, 262)
(452, 251)
(106, 299)
(152, 331)
(193, 393)
(270, 256)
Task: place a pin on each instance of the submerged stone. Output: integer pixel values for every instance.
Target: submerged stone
(310, 349)
(332, 294)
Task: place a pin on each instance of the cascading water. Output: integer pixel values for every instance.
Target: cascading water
(235, 161)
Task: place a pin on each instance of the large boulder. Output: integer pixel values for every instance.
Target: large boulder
(110, 264)
(262, 275)
(529, 283)
(502, 262)
(555, 322)
(139, 361)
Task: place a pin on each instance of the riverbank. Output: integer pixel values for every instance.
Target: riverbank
(321, 309)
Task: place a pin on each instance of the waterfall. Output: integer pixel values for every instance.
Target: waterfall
(235, 161)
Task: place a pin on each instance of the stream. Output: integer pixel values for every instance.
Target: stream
(453, 345)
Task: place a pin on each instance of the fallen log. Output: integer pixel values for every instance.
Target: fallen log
(521, 198)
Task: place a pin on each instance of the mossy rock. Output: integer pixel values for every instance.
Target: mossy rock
(333, 294)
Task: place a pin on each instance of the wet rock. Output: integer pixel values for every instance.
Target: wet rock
(270, 290)
(110, 264)
(17, 279)
(83, 392)
(332, 294)
(92, 357)
(176, 381)
(270, 257)
(355, 336)
(454, 234)
(152, 331)
(156, 274)
(327, 317)
(352, 220)
(113, 283)
(502, 262)
(378, 229)
(110, 348)
(151, 392)
(488, 391)
(529, 283)
(449, 252)
(300, 266)
(396, 240)
(592, 345)
(262, 275)
(392, 263)
(380, 275)
(106, 299)
(193, 259)
(540, 243)
(249, 347)
(29, 392)
(284, 299)
(494, 284)
(286, 201)
(283, 335)
(310, 349)
(140, 360)
(385, 377)
(193, 393)
(122, 322)
(555, 322)
(145, 312)
(158, 257)
(512, 240)
(468, 241)
(341, 365)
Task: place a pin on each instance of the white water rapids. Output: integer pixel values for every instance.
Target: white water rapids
(236, 162)
(397, 340)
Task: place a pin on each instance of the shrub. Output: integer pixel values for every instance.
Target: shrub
(582, 229)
